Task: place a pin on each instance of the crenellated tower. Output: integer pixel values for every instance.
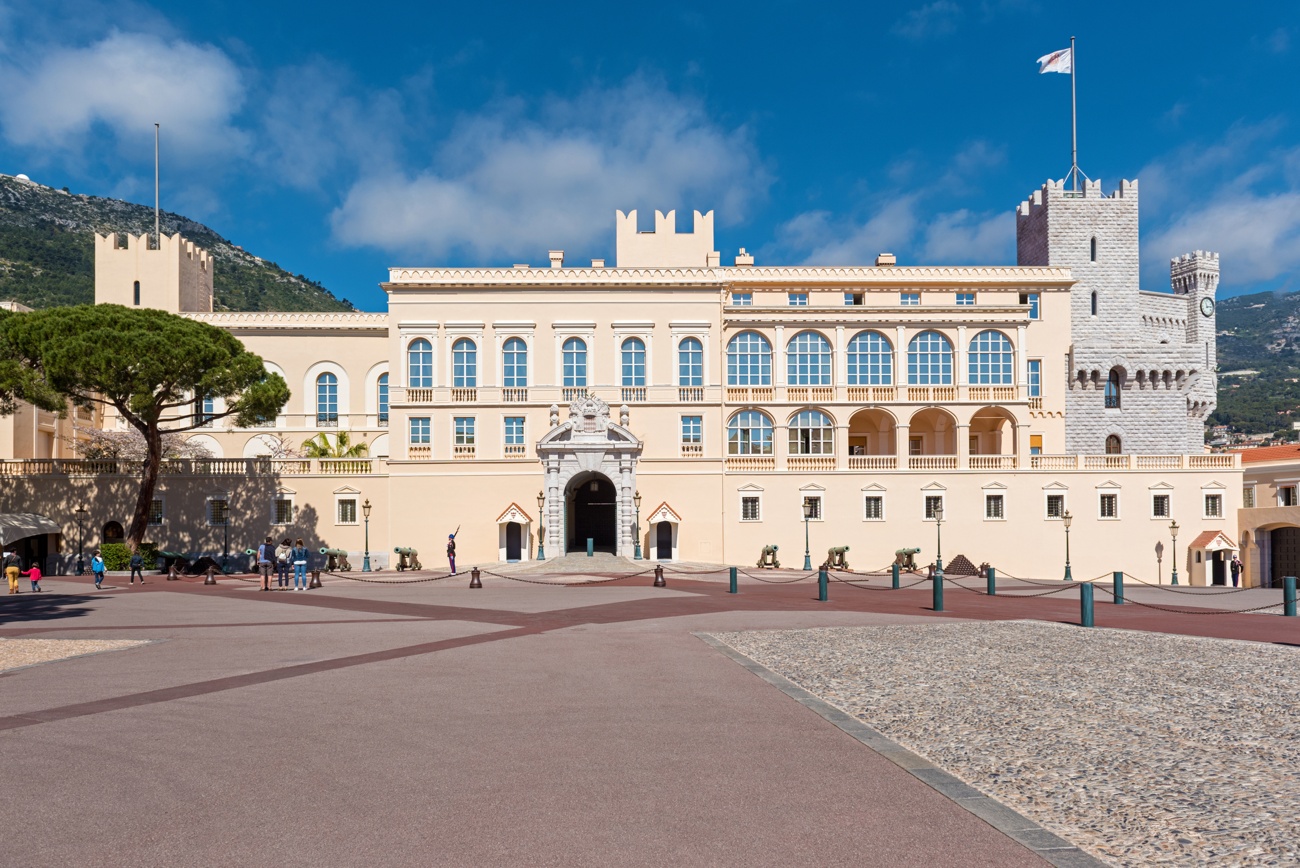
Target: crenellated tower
(175, 275)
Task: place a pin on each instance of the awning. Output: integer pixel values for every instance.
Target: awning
(16, 525)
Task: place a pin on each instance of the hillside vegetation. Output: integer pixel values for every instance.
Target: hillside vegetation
(47, 253)
(1259, 362)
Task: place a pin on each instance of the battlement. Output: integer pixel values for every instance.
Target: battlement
(175, 276)
(1194, 272)
(168, 244)
(1055, 191)
(665, 247)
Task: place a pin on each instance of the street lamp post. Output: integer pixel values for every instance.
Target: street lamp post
(1173, 553)
(636, 552)
(225, 540)
(541, 526)
(1065, 520)
(365, 557)
(807, 514)
(81, 515)
(938, 538)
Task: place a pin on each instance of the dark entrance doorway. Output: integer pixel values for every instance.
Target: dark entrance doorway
(593, 503)
(113, 533)
(664, 541)
(1285, 548)
(514, 541)
(1218, 568)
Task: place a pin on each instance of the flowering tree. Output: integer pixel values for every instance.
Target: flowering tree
(129, 444)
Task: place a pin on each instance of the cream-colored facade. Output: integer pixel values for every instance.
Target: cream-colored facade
(536, 405)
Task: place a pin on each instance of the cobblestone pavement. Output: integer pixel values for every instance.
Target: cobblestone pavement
(1142, 748)
(16, 653)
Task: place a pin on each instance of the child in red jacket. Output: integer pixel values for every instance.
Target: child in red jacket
(35, 575)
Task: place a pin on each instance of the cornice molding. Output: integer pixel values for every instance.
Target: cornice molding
(305, 320)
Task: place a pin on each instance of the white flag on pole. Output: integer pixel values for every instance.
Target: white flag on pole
(1057, 61)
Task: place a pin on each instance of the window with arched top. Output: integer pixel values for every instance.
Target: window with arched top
(514, 364)
(382, 399)
(419, 364)
(749, 433)
(749, 360)
(1092, 252)
(929, 360)
(808, 360)
(575, 362)
(633, 362)
(1113, 445)
(1094, 302)
(991, 359)
(870, 360)
(690, 362)
(1112, 392)
(327, 399)
(811, 433)
(464, 364)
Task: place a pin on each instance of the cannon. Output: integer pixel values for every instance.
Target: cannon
(336, 559)
(906, 558)
(835, 559)
(407, 558)
(768, 558)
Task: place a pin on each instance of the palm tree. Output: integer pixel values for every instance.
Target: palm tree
(341, 446)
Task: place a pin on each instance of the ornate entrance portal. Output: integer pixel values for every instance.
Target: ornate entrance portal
(590, 466)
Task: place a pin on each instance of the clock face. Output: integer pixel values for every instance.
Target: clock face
(1207, 307)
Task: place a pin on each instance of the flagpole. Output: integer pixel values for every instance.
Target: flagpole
(157, 233)
(1074, 117)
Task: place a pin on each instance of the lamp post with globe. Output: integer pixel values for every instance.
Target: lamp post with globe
(541, 527)
(81, 516)
(636, 551)
(807, 514)
(365, 557)
(1065, 520)
(1173, 553)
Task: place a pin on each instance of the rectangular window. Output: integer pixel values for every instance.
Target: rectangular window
(933, 503)
(749, 508)
(514, 430)
(852, 299)
(463, 430)
(742, 299)
(914, 445)
(815, 502)
(965, 299)
(1031, 299)
(993, 507)
(692, 430)
(1035, 444)
(797, 299)
(156, 511)
(1055, 505)
(1248, 497)
(1035, 378)
(421, 430)
(218, 512)
(909, 299)
(1214, 506)
(1160, 506)
(348, 511)
(1286, 495)
(282, 511)
(873, 508)
(1109, 506)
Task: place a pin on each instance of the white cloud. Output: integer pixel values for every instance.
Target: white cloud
(126, 82)
(933, 19)
(845, 242)
(506, 183)
(964, 237)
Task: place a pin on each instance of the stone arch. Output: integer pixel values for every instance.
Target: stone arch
(993, 431)
(934, 431)
(208, 442)
(372, 386)
(873, 431)
(309, 387)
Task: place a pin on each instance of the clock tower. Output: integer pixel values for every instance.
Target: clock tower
(1195, 276)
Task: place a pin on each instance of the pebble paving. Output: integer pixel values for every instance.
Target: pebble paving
(1140, 748)
(16, 653)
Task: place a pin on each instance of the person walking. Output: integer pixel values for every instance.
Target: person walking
(35, 575)
(12, 566)
(97, 568)
(451, 552)
(1236, 570)
(300, 556)
(137, 567)
(265, 553)
(283, 561)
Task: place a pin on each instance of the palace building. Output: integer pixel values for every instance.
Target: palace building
(688, 409)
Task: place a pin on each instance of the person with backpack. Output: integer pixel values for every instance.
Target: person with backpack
(300, 556)
(12, 566)
(265, 553)
(97, 568)
(283, 560)
(137, 567)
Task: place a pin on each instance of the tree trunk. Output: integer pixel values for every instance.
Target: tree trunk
(148, 483)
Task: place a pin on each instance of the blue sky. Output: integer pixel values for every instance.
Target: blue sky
(339, 140)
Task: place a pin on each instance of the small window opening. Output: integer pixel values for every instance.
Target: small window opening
(1094, 302)
(1093, 251)
(137, 293)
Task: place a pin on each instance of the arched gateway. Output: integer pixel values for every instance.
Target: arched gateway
(589, 464)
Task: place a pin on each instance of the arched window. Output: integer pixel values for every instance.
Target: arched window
(871, 360)
(575, 362)
(464, 364)
(633, 362)
(1092, 253)
(749, 360)
(419, 364)
(1094, 302)
(1112, 389)
(383, 399)
(327, 399)
(929, 360)
(811, 433)
(1113, 445)
(514, 364)
(690, 363)
(749, 433)
(808, 360)
(991, 359)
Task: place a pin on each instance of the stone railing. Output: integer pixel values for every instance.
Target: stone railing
(75, 467)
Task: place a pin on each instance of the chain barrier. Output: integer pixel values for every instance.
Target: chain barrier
(396, 581)
(1189, 590)
(864, 587)
(748, 574)
(677, 572)
(1130, 601)
(618, 578)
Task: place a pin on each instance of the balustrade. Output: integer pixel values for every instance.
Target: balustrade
(463, 395)
(873, 462)
(573, 393)
(514, 394)
(751, 462)
(690, 393)
(932, 462)
(810, 462)
(516, 450)
(692, 450)
(419, 396)
(462, 452)
(992, 462)
(633, 394)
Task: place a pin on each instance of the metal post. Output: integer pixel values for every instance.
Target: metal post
(474, 579)
(225, 541)
(1085, 604)
(315, 580)
(591, 547)
(992, 577)
(659, 576)
(823, 586)
(1288, 596)
(365, 558)
(1068, 577)
(636, 549)
(893, 572)
(81, 540)
(211, 577)
(1118, 576)
(807, 552)
(1173, 552)
(733, 589)
(938, 588)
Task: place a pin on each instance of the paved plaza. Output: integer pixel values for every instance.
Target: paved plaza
(408, 720)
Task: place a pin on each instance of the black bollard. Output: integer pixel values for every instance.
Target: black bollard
(659, 577)
(474, 579)
(171, 574)
(315, 580)
(733, 589)
(211, 577)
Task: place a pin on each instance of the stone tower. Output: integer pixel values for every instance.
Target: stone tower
(175, 276)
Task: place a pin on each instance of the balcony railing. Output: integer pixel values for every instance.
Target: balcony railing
(192, 467)
(463, 394)
(1159, 462)
(692, 450)
(751, 462)
(382, 421)
(750, 394)
(690, 393)
(463, 451)
(1036, 403)
(810, 393)
(873, 462)
(419, 453)
(514, 394)
(873, 394)
(516, 450)
(810, 462)
(931, 394)
(327, 420)
(419, 395)
(1106, 462)
(633, 394)
(573, 393)
(932, 462)
(992, 462)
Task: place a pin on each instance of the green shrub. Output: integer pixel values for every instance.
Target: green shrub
(117, 556)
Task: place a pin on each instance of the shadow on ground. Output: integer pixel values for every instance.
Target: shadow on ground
(29, 607)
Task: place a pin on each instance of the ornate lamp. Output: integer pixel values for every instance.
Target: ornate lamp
(541, 526)
(81, 516)
(636, 501)
(1065, 520)
(1173, 553)
(807, 514)
(365, 558)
